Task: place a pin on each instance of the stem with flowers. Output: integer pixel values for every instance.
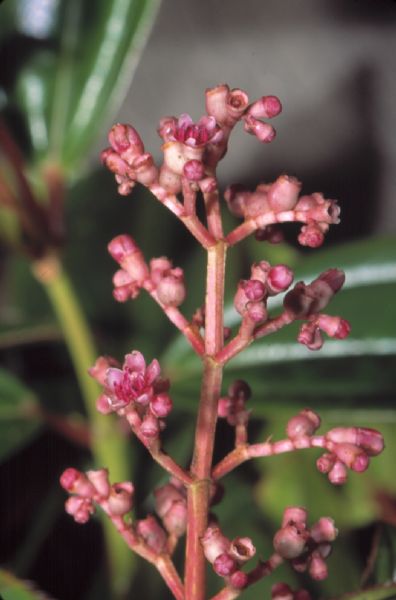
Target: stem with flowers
(137, 392)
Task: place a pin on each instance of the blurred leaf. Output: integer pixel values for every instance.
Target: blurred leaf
(12, 588)
(71, 84)
(383, 592)
(19, 414)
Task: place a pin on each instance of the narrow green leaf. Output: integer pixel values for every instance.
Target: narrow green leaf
(12, 588)
(19, 414)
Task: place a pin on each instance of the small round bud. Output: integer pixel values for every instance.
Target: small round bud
(171, 290)
(225, 565)
(120, 498)
(121, 246)
(281, 591)
(161, 405)
(238, 580)
(289, 542)
(194, 170)
(279, 279)
(254, 289)
(295, 515)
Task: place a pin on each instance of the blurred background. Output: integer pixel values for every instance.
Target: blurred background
(69, 69)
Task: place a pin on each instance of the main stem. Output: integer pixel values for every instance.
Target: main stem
(198, 493)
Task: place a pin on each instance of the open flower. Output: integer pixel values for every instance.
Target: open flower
(187, 132)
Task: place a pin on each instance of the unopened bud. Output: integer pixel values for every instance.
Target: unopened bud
(279, 279)
(120, 498)
(225, 565)
(289, 542)
(283, 193)
(171, 290)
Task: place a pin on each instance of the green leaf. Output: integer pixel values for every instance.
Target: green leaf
(383, 592)
(12, 588)
(70, 89)
(19, 415)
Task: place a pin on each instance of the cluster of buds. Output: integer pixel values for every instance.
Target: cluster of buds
(282, 591)
(191, 150)
(252, 294)
(306, 548)
(349, 448)
(227, 556)
(94, 488)
(306, 302)
(135, 390)
(128, 160)
(171, 507)
(232, 407)
(271, 203)
(159, 277)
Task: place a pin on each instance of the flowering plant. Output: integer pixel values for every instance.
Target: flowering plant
(140, 395)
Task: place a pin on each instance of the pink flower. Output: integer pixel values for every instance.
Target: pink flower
(187, 132)
(133, 383)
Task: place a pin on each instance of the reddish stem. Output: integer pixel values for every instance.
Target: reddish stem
(213, 214)
(262, 570)
(190, 332)
(198, 493)
(153, 446)
(247, 451)
(162, 562)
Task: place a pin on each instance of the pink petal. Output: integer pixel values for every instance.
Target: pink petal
(135, 361)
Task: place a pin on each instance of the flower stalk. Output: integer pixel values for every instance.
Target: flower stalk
(137, 391)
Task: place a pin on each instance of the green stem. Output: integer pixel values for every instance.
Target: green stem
(109, 447)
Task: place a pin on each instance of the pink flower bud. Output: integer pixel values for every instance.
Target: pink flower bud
(124, 138)
(266, 107)
(352, 456)
(311, 235)
(103, 405)
(175, 520)
(283, 193)
(208, 185)
(216, 102)
(150, 426)
(171, 290)
(304, 424)
(100, 479)
(279, 279)
(295, 515)
(318, 568)
(77, 483)
(257, 311)
(338, 474)
(263, 131)
(242, 549)
(225, 565)
(161, 405)
(152, 533)
(310, 336)
(120, 498)
(368, 439)
(335, 327)
(281, 591)
(326, 462)
(122, 246)
(324, 530)
(289, 542)
(237, 102)
(238, 580)
(214, 543)
(335, 279)
(79, 508)
(194, 170)
(99, 369)
(254, 289)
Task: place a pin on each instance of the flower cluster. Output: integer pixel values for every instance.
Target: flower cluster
(227, 556)
(306, 302)
(349, 448)
(94, 487)
(136, 391)
(171, 507)
(278, 202)
(252, 294)
(159, 277)
(306, 548)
